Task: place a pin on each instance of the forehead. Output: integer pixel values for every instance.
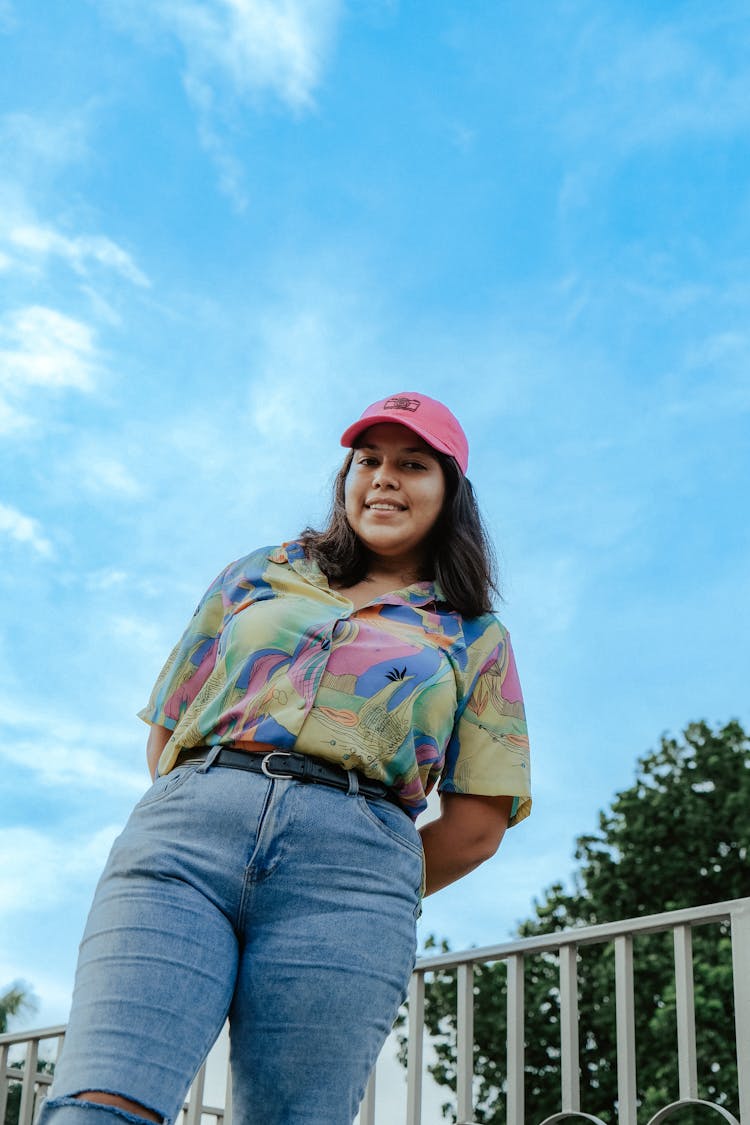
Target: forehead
(393, 437)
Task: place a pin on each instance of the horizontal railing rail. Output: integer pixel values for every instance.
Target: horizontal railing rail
(32, 1071)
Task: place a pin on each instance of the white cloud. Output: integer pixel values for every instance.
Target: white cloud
(231, 175)
(105, 579)
(69, 762)
(241, 49)
(34, 145)
(38, 883)
(148, 638)
(11, 420)
(684, 87)
(102, 474)
(44, 349)
(278, 46)
(78, 252)
(23, 529)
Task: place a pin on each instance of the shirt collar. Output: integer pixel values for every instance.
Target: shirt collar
(418, 594)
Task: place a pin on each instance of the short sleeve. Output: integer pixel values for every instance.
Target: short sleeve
(488, 753)
(190, 662)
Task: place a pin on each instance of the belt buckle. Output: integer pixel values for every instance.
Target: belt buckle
(266, 769)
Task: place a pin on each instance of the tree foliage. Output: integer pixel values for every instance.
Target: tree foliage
(679, 837)
(16, 998)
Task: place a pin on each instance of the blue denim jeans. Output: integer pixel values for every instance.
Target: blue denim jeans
(288, 908)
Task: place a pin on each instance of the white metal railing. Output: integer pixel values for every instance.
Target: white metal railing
(565, 945)
(25, 1058)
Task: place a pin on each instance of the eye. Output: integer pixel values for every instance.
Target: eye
(367, 459)
(415, 465)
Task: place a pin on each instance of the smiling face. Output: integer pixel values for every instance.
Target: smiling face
(394, 495)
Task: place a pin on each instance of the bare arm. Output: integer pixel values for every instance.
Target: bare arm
(158, 737)
(467, 832)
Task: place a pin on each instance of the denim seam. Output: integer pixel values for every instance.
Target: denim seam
(252, 876)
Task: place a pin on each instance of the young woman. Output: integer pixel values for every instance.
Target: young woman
(273, 873)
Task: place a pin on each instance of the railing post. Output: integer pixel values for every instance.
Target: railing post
(367, 1108)
(228, 1099)
(3, 1079)
(26, 1109)
(195, 1104)
(624, 1003)
(465, 1043)
(414, 1050)
(516, 1035)
(687, 1065)
(569, 1075)
(741, 973)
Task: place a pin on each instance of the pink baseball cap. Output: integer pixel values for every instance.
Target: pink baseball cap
(425, 416)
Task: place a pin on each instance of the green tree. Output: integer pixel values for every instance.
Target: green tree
(16, 999)
(679, 837)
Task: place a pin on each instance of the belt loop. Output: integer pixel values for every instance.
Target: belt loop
(212, 756)
(353, 789)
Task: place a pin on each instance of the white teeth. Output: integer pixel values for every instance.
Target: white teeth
(385, 507)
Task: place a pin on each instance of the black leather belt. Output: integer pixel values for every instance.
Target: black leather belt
(287, 764)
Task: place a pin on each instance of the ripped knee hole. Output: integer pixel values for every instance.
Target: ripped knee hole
(117, 1101)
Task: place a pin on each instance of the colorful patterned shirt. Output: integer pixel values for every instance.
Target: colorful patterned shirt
(405, 689)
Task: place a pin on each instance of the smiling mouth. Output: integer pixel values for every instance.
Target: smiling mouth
(384, 506)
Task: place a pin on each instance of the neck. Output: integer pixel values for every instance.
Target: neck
(397, 572)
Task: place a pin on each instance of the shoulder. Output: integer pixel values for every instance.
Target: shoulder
(251, 569)
(487, 641)
(484, 632)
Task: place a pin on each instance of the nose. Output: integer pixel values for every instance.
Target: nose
(385, 476)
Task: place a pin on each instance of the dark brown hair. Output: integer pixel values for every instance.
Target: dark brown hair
(458, 554)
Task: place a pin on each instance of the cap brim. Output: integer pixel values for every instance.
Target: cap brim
(350, 435)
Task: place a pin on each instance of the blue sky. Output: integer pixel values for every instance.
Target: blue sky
(226, 227)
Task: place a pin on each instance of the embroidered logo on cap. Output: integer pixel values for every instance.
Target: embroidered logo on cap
(402, 404)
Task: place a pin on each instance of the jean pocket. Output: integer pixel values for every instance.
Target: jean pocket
(398, 826)
(393, 821)
(165, 785)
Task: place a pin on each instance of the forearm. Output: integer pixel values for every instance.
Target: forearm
(158, 738)
(467, 833)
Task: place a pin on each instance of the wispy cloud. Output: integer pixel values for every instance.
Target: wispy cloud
(36, 881)
(44, 349)
(48, 349)
(229, 168)
(7, 16)
(241, 50)
(99, 471)
(66, 763)
(73, 757)
(23, 529)
(256, 46)
(79, 251)
(35, 144)
(683, 86)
